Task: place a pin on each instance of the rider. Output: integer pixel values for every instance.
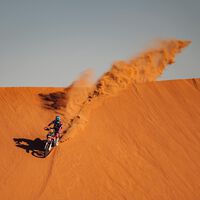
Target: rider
(57, 126)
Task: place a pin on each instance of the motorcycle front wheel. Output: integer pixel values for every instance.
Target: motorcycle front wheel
(47, 148)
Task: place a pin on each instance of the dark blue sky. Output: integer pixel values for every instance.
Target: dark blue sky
(49, 43)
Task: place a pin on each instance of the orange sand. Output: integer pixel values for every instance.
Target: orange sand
(142, 143)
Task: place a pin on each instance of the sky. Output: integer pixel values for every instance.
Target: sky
(51, 42)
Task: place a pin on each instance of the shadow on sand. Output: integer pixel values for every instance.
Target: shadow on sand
(55, 101)
(35, 147)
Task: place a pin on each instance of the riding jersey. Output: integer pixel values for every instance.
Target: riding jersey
(57, 126)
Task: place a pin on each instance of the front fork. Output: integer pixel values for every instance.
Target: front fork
(57, 139)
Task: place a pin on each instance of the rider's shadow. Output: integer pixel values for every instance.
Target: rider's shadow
(36, 146)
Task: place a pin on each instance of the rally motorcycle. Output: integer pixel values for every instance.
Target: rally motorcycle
(51, 141)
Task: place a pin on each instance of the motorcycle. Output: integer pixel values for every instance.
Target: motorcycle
(51, 141)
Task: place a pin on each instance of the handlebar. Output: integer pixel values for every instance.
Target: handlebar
(48, 128)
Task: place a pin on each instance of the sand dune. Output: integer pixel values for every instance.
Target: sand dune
(125, 137)
(142, 143)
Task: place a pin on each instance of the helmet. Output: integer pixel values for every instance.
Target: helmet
(57, 119)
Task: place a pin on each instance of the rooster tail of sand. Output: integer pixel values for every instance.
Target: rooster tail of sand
(146, 67)
(78, 93)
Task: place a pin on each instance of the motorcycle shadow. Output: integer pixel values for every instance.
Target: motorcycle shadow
(35, 147)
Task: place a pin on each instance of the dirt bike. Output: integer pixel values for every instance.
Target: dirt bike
(51, 142)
